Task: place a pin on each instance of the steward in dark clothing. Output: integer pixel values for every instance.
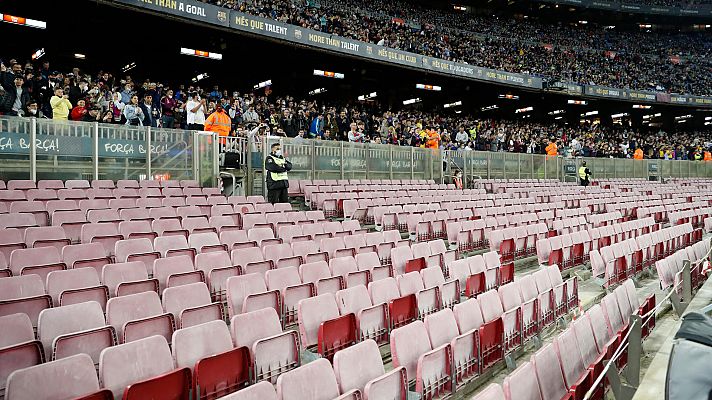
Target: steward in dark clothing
(277, 181)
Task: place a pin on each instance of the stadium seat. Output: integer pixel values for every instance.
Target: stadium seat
(523, 384)
(18, 347)
(127, 278)
(77, 285)
(360, 367)
(191, 305)
(67, 378)
(137, 316)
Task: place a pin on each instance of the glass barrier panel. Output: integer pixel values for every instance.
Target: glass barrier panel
(171, 154)
(122, 152)
(15, 148)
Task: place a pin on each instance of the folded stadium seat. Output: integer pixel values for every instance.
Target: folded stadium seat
(223, 223)
(606, 342)
(61, 205)
(200, 202)
(314, 231)
(400, 255)
(11, 239)
(37, 208)
(77, 184)
(156, 376)
(402, 309)
(333, 227)
(191, 305)
(176, 271)
(235, 239)
(68, 378)
(447, 257)
(74, 329)
(460, 271)
(492, 347)
(491, 392)
(496, 274)
(428, 300)
(149, 183)
(251, 260)
(448, 291)
(100, 194)
(421, 258)
(4, 270)
(104, 215)
(193, 192)
(105, 233)
(544, 301)
(314, 381)
(217, 368)
(46, 236)
(371, 262)
(320, 324)
(21, 184)
(197, 224)
(17, 220)
(249, 292)
(348, 269)
(548, 373)
(137, 316)
(513, 303)
(189, 211)
(273, 351)
(357, 241)
(318, 273)
(567, 249)
(137, 229)
(281, 255)
(74, 286)
(359, 367)
(23, 294)
(163, 214)
(127, 278)
(102, 184)
(555, 295)
(480, 279)
(173, 246)
(288, 233)
(263, 236)
(40, 261)
(137, 250)
(168, 183)
(410, 348)
(205, 242)
(134, 214)
(289, 284)
(570, 286)
(577, 377)
(335, 247)
(443, 329)
(593, 361)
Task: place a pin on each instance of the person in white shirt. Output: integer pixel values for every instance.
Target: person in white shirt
(195, 110)
(462, 137)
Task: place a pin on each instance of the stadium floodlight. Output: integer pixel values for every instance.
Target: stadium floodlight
(317, 91)
(523, 110)
(642, 106)
(428, 87)
(80, 56)
(577, 102)
(263, 84)
(558, 117)
(200, 53)
(509, 97)
(557, 112)
(459, 8)
(649, 116)
(683, 117)
(369, 96)
(411, 101)
(458, 111)
(645, 26)
(492, 107)
(33, 23)
(38, 54)
(200, 77)
(328, 74)
(128, 67)
(708, 123)
(455, 104)
(590, 113)
(708, 118)
(614, 116)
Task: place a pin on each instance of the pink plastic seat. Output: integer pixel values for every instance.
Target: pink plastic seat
(127, 278)
(77, 285)
(249, 292)
(68, 378)
(18, 347)
(40, 261)
(360, 367)
(314, 381)
(137, 250)
(191, 305)
(176, 271)
(85, 255)
(23, 294)
(138, 316)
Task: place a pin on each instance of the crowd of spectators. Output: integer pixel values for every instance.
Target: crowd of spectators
(667, 61)
(105, 98)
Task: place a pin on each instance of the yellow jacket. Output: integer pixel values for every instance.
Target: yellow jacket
(60, 107)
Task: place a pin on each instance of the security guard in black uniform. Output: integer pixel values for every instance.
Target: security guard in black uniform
(584, 174)
(277, 180)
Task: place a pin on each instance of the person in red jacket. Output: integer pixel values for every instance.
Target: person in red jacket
(79, 112)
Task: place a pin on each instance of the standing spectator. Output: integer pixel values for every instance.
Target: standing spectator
(33, 110)
(250, 116)
(127, 93)
(462, 137)
(195, 111)
(60, 104)
(150, 111)
(355, 135)
(168, 105)
(79, 112)
(219, 122)
(17, 98)
(133, 112)
(317, 126)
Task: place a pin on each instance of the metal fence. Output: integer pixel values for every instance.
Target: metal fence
(32, 148)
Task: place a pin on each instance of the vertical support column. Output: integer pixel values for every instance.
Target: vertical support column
(367, 149)
(686, 282)
(33, 149)
(489, 165)
(196, 161)
(546, 167)
(533, 157)
(95, 151)
(313, 159)
(431, 161)
(412, 161)
(149, 172)
(216, 160)
(341, 154)
(519, 164)
(390, 162)
(635, 348)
